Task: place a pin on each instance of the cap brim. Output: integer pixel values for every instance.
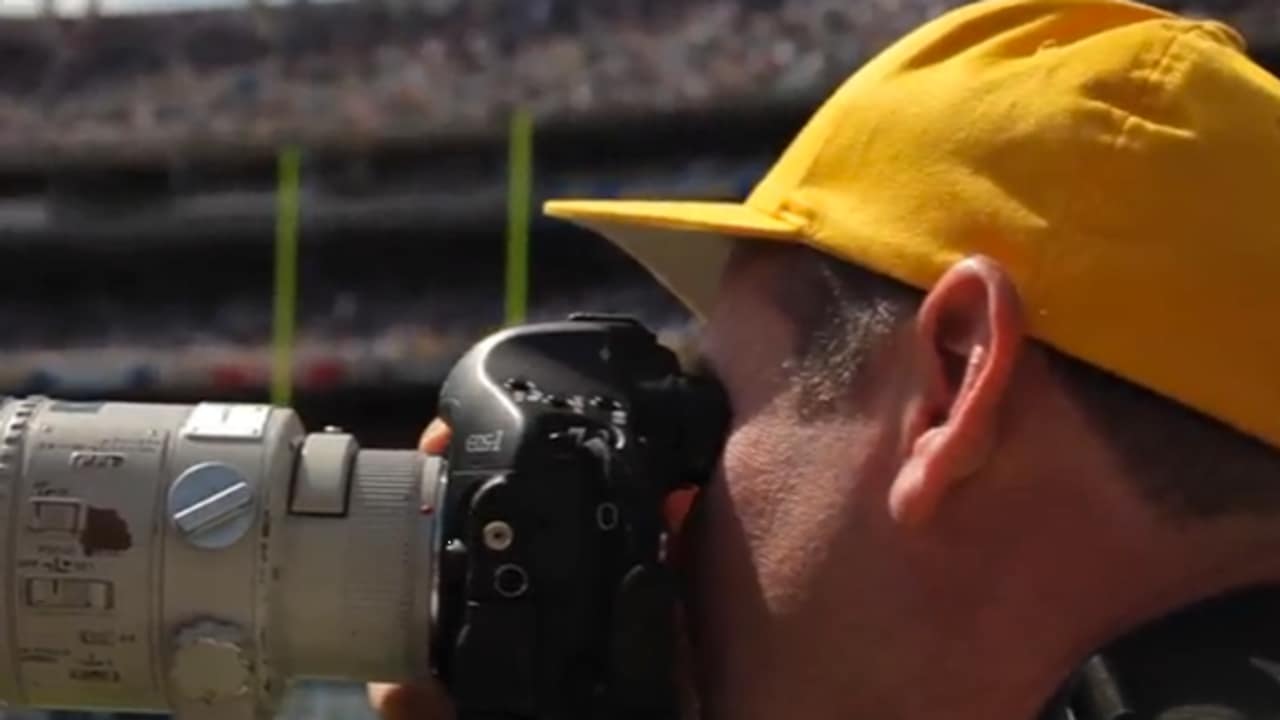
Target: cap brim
(685, 245)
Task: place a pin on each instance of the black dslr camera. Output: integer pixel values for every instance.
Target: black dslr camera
(553, 595)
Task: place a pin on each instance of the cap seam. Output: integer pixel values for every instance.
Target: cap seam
(1052, 249)
(789, 208)
(797, 213)
(1151, 81)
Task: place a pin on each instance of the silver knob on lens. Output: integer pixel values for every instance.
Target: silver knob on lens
(211, 504)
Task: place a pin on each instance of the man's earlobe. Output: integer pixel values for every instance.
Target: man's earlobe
(967, 337)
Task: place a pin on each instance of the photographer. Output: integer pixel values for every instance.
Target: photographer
(1006, 387)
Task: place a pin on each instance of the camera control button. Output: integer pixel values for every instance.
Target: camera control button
(55, 514)
(498, 535)
(211, 505)
(323, 476)
(522, 390)
(510, 580)
(69, 594)
(210, 664)
(600, 402)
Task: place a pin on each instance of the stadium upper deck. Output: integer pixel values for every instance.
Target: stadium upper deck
(364, 72)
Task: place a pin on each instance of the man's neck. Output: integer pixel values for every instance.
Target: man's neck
(1000, 651)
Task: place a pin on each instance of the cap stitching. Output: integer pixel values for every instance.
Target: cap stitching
(797, 213)
(789, 207)
(1158, 72)
(1054, 246)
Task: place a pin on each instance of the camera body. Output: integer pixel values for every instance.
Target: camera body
(556, 598)
(197, 559)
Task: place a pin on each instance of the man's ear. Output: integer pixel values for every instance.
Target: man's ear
(966, 338)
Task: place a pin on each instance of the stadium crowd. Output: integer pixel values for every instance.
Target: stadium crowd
(395, 67)
(358, 336)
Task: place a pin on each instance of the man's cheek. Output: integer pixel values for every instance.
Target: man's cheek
(759, 468)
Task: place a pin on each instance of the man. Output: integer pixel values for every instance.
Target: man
(999, 334)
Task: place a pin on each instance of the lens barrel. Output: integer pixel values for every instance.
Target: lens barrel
(195, 559)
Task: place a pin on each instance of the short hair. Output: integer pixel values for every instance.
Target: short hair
(1190, 465)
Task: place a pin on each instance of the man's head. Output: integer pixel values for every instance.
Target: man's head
(1005, 387)
(841, 314)
(911, 482)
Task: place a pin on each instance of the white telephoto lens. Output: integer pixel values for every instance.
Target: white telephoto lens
(197, 559)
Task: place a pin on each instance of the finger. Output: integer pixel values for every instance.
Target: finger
(676, 507)
(435, 439)
(409, 702)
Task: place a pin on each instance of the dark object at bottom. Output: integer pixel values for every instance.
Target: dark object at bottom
(1217, 660)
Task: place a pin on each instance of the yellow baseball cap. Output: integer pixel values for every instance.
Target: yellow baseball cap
(1121, 162)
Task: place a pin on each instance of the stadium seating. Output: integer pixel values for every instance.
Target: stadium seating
(361, 71)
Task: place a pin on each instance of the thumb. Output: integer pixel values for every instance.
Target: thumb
(435, 439)
(409, 702)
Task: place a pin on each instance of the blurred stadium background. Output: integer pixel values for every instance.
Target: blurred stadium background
(140, 155)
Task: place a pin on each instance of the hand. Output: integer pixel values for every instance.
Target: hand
(416, 702)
